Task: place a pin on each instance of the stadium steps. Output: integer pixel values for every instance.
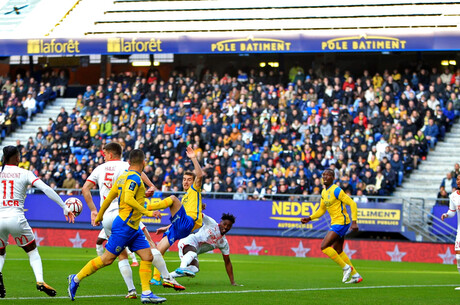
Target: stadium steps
(425, 181)
(30, 128)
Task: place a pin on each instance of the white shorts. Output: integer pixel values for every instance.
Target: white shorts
(190, 240)
(18, 227)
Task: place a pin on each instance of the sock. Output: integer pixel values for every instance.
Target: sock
(91, 267)
(145, 272)
(159, 263)
(2, 261)
(133, 257)
(36, 263)
(156, 274)
(457, 256)
(126, 273)
(99, 250)
(174, 275)
(161, 204)
(345, 258)
(329, 251)
(187, 259)
(193, 268)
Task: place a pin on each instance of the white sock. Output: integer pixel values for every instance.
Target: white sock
(356, 275)
(174, 275)
(99, 250)
(159, 263)
(36, 264)
(2, 261)
(193, 268)
(457, 256)
(133, 257)
(127, 273)
(187, 258)
(146, 292)
(346, 267)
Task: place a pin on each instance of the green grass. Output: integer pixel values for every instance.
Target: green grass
(266, 280)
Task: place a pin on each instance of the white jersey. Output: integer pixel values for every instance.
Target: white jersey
(13, 187)
(104, 176)
(209, 237)
(454, 204)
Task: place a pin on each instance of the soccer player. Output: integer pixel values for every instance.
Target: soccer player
(130, 190)
(454, 207)
(104, 176)
(334, 199)
(186, 216)
(209, 237)
(14, 182)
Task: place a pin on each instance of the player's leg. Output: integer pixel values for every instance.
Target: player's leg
(327, 248)
(2, 262)
(355, 276)
(101, 238)
(457, 253)
(189, 255)
(142, 248)
(133, 258)
(127, 274)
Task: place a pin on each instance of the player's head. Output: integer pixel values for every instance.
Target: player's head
(137, 158)
(328, 176)
(226, 223)
(187, 180)
(10, 156)
(112, 151)
(458, 181)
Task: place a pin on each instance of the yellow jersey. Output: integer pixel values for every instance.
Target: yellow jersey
(130, 191)
(334, 200)
(193, 205)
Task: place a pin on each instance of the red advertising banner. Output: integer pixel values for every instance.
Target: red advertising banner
(282, 246)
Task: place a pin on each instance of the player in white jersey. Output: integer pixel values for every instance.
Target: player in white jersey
(13, 184)
(454, 207)
(210, 236)
(104, 176)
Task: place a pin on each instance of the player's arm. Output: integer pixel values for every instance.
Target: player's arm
(151, 187)
(317, 214)
(86, 191)
(69, 216)
(105, 205)
(451, 211)
(353, 206)
(129, 191)
(148, 237)
(229, 268)
(198, 171)
(162, 229)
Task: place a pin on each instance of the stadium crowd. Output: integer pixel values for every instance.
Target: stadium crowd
(257, 134)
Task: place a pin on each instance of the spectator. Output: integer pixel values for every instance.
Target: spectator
(449, 184)
(240, 194)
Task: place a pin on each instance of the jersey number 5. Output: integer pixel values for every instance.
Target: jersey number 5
(11, 183)
(108, 180)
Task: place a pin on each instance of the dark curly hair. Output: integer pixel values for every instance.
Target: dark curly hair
(229, 217)
(8, 152)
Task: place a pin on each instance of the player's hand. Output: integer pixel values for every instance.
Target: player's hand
(354, 226)
(443, 216)
(149, 193)
(190, 152)
(97, 221)
(156, 214)
(161, 230)
(305, 220)
(70, 217)
(93, 218)
(458, 207)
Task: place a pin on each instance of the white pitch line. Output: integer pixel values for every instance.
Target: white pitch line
(240, 291)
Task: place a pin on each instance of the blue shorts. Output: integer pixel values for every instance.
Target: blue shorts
(341, 230)
(124, 236)
(181, 226)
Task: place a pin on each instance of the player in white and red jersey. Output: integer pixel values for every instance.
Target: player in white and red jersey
(13, 184)
(454, 207)
(104, 176)
(209, 237)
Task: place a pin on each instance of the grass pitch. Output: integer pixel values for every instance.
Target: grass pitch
(266, 280)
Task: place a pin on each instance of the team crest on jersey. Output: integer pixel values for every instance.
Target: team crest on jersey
(118, 249)
(132, 186)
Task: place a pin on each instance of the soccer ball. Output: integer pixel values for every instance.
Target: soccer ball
(74, 205)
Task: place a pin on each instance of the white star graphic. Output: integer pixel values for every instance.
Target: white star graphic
(38, 239)
(300, 251)
(396, 256)
(349, 252)
(253, 249)
(77, 241)
(448, 257)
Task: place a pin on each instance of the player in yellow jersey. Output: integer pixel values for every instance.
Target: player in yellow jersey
(334, 199)
(186, 216)
(130, 190)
